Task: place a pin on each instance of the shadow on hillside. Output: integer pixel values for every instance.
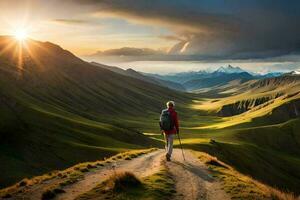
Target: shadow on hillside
(195, 170)
(270, 167)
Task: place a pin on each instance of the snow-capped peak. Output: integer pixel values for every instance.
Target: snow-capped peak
(229, 70)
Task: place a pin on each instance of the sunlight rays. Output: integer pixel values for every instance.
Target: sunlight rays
(21, 34)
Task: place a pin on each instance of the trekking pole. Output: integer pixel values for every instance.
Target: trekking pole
(181, 146)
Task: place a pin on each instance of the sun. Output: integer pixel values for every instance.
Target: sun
(20, 34)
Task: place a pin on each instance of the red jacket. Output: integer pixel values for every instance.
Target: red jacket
(175, 118)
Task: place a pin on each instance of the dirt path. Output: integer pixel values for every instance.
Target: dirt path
(141, 166)
(192, 178)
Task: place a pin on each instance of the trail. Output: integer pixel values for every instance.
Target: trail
(192, 178)
(141, 166)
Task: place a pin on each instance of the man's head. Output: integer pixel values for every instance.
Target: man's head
(170, 104)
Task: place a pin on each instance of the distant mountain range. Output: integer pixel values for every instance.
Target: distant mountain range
(223, 78)
(203, 80)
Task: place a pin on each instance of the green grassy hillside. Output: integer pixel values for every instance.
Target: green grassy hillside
(263, 142)
(269, 154)
(57, 110)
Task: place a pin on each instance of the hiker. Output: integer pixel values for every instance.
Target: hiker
(170, 126)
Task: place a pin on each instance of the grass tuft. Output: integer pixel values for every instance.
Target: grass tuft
(51, 193)
(48, 194)
(125, 185)
(124, 180)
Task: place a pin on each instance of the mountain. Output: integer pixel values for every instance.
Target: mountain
(230, 70)
(216, 82)
(202, 81)
(278, 96)
(134, 74)
(57, 110)
(217, 79)
(269, 75)
(179, 77)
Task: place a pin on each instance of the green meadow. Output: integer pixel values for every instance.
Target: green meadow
(61, 112)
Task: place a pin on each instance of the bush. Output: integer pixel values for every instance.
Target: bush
(48, 194)
(125, 180)
(51, 193)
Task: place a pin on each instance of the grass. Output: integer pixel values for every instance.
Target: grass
(125, 185)
(51, 193)
(239, 186)
(70, 175)
(64, 111)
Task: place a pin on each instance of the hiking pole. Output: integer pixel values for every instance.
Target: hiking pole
(181, 146)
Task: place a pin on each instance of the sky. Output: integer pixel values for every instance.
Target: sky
(177, 35)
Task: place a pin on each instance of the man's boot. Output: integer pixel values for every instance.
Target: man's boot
(168, 157)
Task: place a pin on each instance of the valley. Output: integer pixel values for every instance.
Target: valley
(57, 110)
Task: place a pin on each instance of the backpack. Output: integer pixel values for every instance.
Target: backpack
(166, 121)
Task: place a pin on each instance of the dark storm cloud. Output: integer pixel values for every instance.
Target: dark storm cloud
(217, 28)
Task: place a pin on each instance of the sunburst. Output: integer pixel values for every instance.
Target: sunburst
(21, 34)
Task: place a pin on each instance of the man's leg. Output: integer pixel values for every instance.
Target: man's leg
(166, 142)
(170, 145)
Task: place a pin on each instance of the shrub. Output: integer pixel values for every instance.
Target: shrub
(124, 180)
(51, 193)
(48, 194)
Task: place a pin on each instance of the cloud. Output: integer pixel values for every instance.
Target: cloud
(129, 51)
(216, 28)
(69, 21)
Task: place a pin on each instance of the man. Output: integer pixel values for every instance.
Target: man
(170, 126)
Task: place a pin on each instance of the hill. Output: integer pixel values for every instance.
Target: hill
(134, 74)
(219, 83)
(218, 79)
(57, 110)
